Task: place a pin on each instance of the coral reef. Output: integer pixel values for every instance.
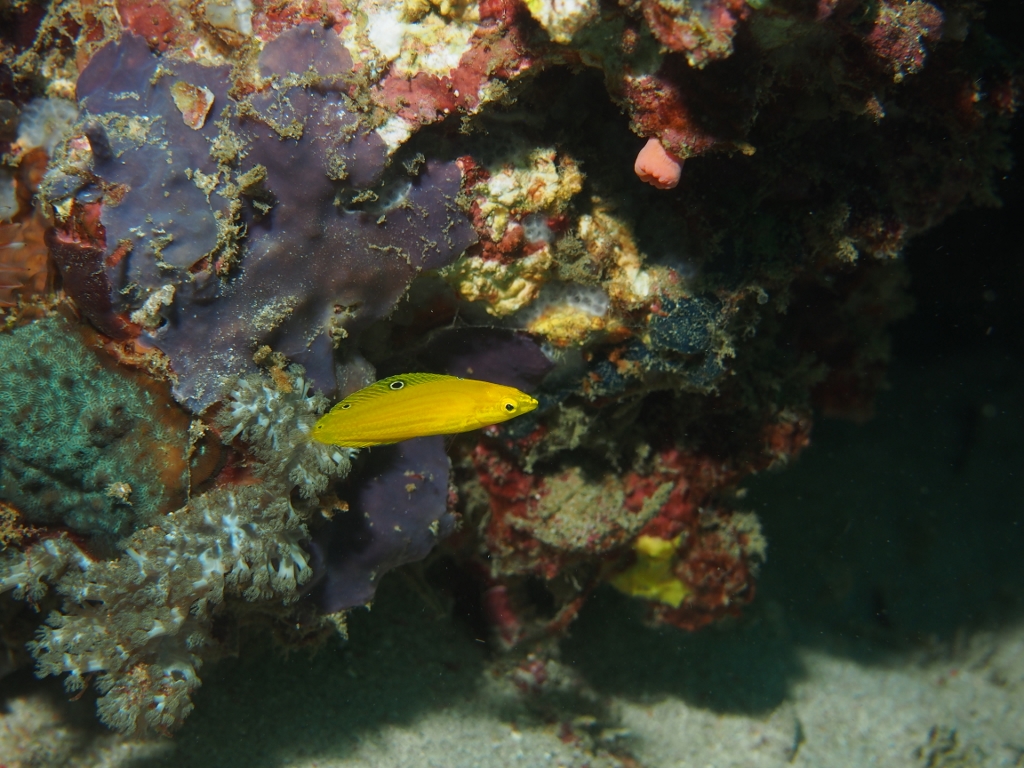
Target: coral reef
(266, 205)
(653, 528)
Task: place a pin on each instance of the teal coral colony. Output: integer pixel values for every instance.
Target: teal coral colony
(80, 443)
(218, 218)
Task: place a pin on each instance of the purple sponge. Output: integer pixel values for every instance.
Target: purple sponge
(398, 511)
(267, 217)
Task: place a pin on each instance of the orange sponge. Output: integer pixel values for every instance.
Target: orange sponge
(656, 166)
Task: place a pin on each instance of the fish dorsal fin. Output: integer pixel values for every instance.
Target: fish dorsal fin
(388, 386)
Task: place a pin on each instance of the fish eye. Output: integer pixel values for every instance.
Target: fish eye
(346, 406)
(397, 384)
(510, 407)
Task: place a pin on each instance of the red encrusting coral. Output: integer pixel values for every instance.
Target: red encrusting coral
(900, 31)
(512, 243)
(503, 12)
(693, 112)
(497, 53)
(785, 438)
(715, 559)
(719, 583)
(704, 34)
(152, 19)
(271, 17)
(509, 491)
(502, 616)
(78, 246)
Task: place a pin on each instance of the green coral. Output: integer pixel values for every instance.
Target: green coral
(80, 445)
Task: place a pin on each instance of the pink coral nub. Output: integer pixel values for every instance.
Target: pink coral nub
(656, 166)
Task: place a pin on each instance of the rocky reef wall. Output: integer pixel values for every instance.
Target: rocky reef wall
(677, 224)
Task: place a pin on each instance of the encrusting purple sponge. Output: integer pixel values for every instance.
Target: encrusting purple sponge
(398, 511)
(266, 217)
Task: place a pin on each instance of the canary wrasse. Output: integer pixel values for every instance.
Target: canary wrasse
(418, 404)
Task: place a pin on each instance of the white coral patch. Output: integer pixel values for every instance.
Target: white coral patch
(562, 19)
(277, 424)
(395, 131)
(46, 123)
(530, 181)
(386, 29)
(433, 44)
(231, 15)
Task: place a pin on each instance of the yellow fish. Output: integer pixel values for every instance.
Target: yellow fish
(415, 405)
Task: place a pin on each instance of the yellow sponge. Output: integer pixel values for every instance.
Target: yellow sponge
(651, 576)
